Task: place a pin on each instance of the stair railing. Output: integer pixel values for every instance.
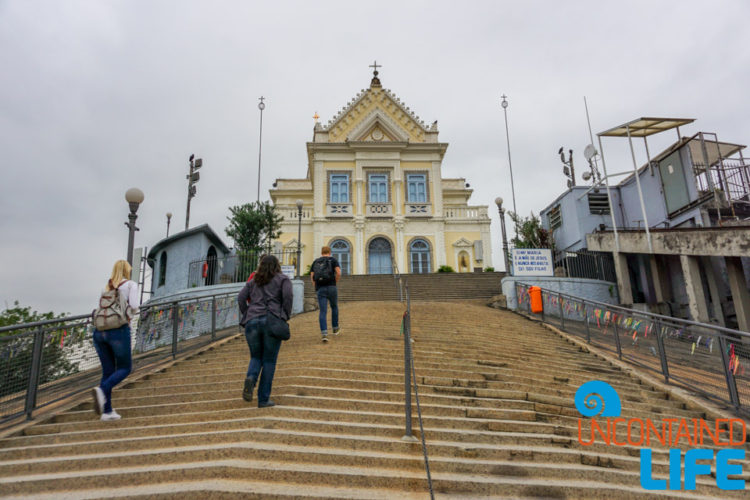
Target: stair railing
(48, 361)
(706, 358)
(397, 279)
(410, 378)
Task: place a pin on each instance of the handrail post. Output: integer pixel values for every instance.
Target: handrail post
(213, 317)
(542, 295)
(617, 336)
(34, 373)
(562, 313)
(662, 352)
(408, 434)
(175, 320)
(586, 322)
(731, 386)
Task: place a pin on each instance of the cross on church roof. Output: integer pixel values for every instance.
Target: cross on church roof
(375, 80)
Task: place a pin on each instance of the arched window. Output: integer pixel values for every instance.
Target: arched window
(163, 268)
(341, 251)
(419, 256)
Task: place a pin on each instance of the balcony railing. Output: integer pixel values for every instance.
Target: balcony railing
(232, 268)
(418, 210)
(339, 210)
(379, 210)
(478, 212)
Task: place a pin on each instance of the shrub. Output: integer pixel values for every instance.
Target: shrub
(445, 269)
(489, 269)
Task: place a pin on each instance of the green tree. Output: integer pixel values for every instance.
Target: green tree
(17, 346)
(531, 234)
(253, 226)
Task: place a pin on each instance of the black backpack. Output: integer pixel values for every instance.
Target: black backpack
(323, 270)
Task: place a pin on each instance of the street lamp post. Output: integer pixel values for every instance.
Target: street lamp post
(169, 218)
(504, 104)
(299, 235)
(134, 197)
(499, 203)
(261, 107)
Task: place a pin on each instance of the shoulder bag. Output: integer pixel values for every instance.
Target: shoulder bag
(277, 327)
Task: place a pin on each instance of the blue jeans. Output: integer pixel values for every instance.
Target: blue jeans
(113, 348)
(328, 294)
(264, 349)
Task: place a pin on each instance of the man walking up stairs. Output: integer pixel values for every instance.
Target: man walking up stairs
(325, 273)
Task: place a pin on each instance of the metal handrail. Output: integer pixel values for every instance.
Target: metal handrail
(397, 279)
(733, 346)
(43, 323)
(24, 356)
(660, 317)
(410, 378)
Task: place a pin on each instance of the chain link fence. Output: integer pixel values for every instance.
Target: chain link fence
(46, 361)
(702, 358)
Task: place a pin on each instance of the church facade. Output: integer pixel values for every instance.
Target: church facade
(374, 192)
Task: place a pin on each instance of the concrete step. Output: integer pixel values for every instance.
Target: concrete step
(496, 394)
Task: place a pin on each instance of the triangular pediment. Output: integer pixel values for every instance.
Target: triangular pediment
(377, 127)
(373, 112)
(463, 243)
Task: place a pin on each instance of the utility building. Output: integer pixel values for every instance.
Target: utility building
(677, 227)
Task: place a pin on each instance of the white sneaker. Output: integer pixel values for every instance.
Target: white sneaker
(108, 417)
(99, 400)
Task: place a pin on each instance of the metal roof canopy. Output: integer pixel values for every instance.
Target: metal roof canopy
(640, 127)
(715, 150)
(645, 126)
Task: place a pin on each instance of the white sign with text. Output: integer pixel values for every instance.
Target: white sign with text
(532, 262)
(289, 271)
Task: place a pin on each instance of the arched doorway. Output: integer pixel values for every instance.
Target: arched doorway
(211, 266)
(379, 256)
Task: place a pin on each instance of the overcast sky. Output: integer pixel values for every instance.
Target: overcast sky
(99, 96)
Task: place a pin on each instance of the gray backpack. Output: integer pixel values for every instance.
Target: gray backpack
(112, 311)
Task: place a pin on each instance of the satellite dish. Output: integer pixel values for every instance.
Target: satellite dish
(590, 152)
(586, 176)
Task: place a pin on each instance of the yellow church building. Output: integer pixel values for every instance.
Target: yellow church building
(374, 192)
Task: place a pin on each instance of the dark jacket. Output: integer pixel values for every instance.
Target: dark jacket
(277, 294)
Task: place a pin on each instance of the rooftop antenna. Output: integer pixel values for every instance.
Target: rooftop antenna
(590, 152)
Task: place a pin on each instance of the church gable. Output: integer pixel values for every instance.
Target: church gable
(378, 127)
(376, 115)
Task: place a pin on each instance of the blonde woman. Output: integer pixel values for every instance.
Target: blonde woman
(113, 346)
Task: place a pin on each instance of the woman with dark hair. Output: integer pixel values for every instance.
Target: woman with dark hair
(269, 292)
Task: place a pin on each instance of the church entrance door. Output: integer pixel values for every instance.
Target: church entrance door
(379, 259)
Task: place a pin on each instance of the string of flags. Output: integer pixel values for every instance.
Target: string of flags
(635, 326)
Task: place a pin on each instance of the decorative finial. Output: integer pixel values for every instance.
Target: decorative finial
(315, 117)
(375, 80)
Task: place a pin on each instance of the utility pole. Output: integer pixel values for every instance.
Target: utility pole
(193, 177)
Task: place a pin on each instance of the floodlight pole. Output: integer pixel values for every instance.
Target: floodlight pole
(504, 104)
(261, 107)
